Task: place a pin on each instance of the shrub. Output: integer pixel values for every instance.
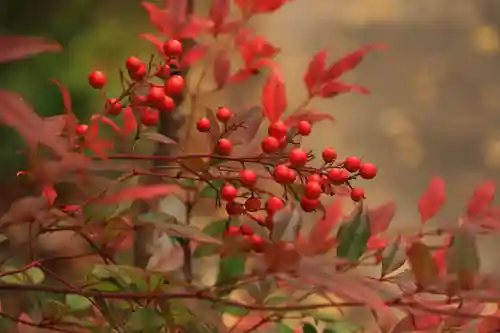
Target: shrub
(135, 217)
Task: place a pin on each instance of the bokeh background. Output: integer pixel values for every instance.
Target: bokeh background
(434, 107)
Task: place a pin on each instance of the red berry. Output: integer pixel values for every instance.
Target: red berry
(283, 142)
(281, 173)
(309, 205)
(329, 155)
(357, 194)
(304, 128)
(312, 190)
(270, 145)
(257, 243)
(81, 129)
(203, 124)
(246, 230)
(224, 146)
(252, 204)
(352, 163)
(155, 95)
(150, 117)
(163, 72)
(133, 64)
(368, 170)
(233, 208)
(297, 157)
(172, 48)
(139, 100)
(228, 192)
(139, 73)
(273, 204)
(97, 79)
(315, 178)
(114, 107)
(166, 105)
(291, 176)
(338, 176)
(269, 223)
(232, 231)
(277, 129)
(174, 85)
(223, 114)
(248, 178)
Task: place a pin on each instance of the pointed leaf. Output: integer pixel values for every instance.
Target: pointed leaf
(287, 223)
(353, 237)
(323, 227)
(221, 69)
(157, 43)
(142, 192)
(159, 138)
(215, 130)
(432, 200)
(216, 230)
(19, 47)
(481, 199)
(165, 256)
(195, 54)
(249, 122)
(307, 115)
(380, 217)
(335, 88)
(462, 256)
(129, 122)
(219, 11)
(393, 257)
(230, 268)
(349, 62)
(315, 71)
(274, 96)
(422, 264)
(77, 302)
(159, 18)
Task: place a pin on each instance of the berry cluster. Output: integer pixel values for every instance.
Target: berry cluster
(160, 97)
(288, 167)
(249, 238)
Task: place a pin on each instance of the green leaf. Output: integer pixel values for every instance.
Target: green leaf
(462, 257)
(35, 275)
(212, 191)
(32, 275)
(308, 328)
(215, 229)
(393, 256)
(277, 300)
(231, 268)
(235, 310)
(282, 328)
(77, 302)
(342, 327)
(353, 237)
(145, 320)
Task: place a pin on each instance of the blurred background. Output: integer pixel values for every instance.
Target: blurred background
(435, 102)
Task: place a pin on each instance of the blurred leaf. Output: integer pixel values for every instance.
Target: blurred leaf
(422, 264)
(462, 256)
(282, 328)
(308, 328)
(432, 200)
(353, 237)
(380, 217)
(481, 199)
(212, 191)
(235, 310)
(215, 229)
(165, 256)
(77, 302)
(35, 275)
(19, 47)
(230, 268)
(141, 192)
(287, 223)
(174, 207)
(393, 256)
(249, 122)
(145, 320)
(32, 275)
(158, 137)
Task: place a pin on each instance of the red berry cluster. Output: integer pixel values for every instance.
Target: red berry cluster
(251, 240)
(160, 96)
(289, 168)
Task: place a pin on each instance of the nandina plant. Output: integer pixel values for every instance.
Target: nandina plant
(135, 198)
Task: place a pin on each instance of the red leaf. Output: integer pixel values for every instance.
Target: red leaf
(381, 217)
(195, 27)
(255, 48)
(349, 62)
(481, 199)
(18, 114)
(71, 121)
(432, 200)
(315, 71)
(323, 227)
(219, 11)
(129, 122)
(107, 121)
(274, 96)
(93, 142)
(157, 43)
(177, 12)
(221, 69)
(49, 193)
(376, 243)
(159, 18)
(194, 55)
(244, 5)
(141, 193)
(266, 6)
(19, 47)
(335, 88)
(308, 115)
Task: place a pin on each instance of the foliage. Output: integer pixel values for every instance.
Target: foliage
(266, 185)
